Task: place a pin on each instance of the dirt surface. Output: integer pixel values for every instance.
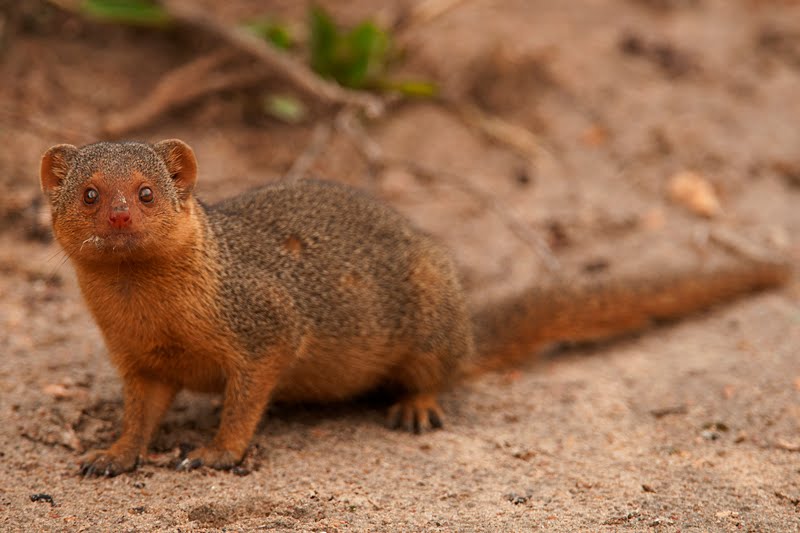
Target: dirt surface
(694, 426)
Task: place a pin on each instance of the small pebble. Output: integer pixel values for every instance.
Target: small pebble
(42, 497)
(694, 192)
(516, 499)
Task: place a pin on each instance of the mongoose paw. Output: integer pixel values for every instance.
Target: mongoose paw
(106, 463)
(210, 456)
(416, 414)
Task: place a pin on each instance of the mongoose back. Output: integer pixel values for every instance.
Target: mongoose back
(299, 291)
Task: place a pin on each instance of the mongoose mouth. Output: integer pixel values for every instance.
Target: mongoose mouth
(122, 242)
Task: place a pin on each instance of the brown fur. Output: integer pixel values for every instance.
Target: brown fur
(508, 330)
(298, 291)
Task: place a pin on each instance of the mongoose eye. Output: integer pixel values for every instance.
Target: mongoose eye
(90, 196)
(146, 194)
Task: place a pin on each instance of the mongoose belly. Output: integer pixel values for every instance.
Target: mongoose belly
(330, 371)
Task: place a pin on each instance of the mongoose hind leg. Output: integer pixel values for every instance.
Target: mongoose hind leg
(416, 413)
(441, 338)
(420, 378)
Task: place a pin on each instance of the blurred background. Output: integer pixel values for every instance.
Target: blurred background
(510, 129)
(535, 137)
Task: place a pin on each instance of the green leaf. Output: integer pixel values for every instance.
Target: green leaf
(285, 107)
(131, 12)
(273, 32)
(324, 39)
(368, 46)
(414, 88)
(356, 59)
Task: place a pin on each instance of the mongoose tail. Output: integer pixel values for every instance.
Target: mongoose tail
(512, 330)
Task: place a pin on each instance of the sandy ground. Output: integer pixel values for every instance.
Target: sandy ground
(694, 426)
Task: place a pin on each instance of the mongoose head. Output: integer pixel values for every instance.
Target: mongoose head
(120, 201)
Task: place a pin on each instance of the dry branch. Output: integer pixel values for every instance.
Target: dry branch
(48, 127)
(428, 10)
(376, 158)
(319, 139)
(185, 13)
(517, 138)
(182, 85)
(740, 246)
(421, 13)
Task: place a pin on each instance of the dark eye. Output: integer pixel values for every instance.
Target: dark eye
(90, 196)
(146, 194)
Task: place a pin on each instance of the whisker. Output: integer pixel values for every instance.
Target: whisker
(55, 270)
(55, 254)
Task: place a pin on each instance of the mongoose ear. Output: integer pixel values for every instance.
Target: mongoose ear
(56, 162)
(180, 161)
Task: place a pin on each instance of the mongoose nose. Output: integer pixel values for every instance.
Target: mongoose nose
(120, 218)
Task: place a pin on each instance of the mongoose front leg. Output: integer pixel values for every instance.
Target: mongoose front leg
(246, 395)
(146, 401)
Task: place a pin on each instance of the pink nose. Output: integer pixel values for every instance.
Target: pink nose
(120, 218)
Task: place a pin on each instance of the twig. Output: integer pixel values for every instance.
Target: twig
(375, 157)
(186, 14)
(319, 139)
(66, 5)
(182, 85)
(489, 202)
(499, 130)
(661, 412)
(428, 10)
(347, 122)
(421, 13)
(45, 126)
(739, 246)
(787, 446)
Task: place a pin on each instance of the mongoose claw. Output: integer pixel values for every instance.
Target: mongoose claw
(188, 464)
(101, 463)
(209, 456)
(416, 414)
